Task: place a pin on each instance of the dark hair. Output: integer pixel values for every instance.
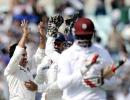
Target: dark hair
(12, 49)
(60, 37)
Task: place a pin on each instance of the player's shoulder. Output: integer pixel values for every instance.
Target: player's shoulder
(99, 47)
(104, 53)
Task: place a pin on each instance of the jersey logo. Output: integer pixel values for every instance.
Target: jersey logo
(84, 26)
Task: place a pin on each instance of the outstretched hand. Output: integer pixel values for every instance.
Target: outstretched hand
(25, 29)
(26, 32)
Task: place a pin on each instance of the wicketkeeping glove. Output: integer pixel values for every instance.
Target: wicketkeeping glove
(88, 79)
(94, 59)
(70, 23)
(53, 25)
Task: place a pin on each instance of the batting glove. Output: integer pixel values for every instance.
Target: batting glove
(94, 59)
(94, 80)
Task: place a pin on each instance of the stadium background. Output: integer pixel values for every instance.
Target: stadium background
(111, 18)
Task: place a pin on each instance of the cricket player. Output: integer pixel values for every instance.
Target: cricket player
(78, 80)
(17, 72)
(47, 71)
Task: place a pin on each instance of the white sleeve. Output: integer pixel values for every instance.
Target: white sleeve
(42, 87)
(65, 77)
(42, 69)
(14, 61)
(50, 51)
(37, 58)
(40, 53)
(53, 87)
(41, 76)
(52, 73)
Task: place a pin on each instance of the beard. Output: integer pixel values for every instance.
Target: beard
(58, 50)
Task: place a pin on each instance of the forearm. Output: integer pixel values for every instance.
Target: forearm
(42, 41)
(39, 55)
(42, 70)
(23, 41)
(50, 51)
(42, 33)
(49, 43)
(25, 36)
(109, 71)
(52, 75)
(69, 80)
(40, 78)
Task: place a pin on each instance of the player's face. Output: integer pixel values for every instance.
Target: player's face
(84, 43)
(59, 46)
(84, 40)
(23, 61)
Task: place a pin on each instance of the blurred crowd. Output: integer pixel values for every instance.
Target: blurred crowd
(111, 18)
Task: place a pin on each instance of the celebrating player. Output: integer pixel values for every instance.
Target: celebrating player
(17, 72)
(80, 77)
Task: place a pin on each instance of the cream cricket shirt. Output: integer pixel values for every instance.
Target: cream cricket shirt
(16, 75)
(70, 77)
(47, 72)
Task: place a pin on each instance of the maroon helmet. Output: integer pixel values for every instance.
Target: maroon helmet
(84, 26)
(84, 30)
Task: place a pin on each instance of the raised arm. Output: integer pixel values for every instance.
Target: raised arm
(41, 29)
(25, 36)
(42, 70)
(53, 25)
(41, 77)
(16, 51)
(40, 53)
